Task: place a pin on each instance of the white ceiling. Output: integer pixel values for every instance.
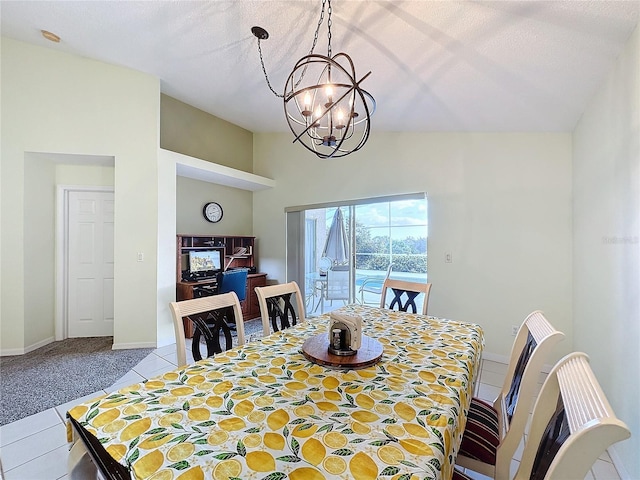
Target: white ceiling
(436, 65)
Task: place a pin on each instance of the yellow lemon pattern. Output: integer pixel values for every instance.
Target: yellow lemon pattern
(263, 409)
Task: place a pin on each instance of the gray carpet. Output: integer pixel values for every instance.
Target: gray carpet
(60, 372)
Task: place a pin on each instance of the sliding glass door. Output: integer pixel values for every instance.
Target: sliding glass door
(344, 251)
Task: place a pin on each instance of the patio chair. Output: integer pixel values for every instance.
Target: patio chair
(211, 317)
(275, 304)
(572, 424)
(404, 295)
(373, 284)
(494, 431)
(337, 283)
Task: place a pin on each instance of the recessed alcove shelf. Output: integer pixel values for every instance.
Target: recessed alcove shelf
(205, 171)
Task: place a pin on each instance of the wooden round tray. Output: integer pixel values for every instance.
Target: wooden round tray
(316, 349)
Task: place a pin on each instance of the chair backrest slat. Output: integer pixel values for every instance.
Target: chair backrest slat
(571, 396)
(187, 308)
(276, 304)
(584, 399)
(402, 289)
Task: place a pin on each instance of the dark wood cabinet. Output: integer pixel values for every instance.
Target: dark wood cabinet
(251, 307)
(239, 252)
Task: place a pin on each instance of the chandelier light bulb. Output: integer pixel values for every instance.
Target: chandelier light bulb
(328, 90)
(340, 120)
(306, 111)
(316, 123)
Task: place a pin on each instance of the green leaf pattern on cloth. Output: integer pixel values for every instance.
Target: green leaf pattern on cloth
(262, 411)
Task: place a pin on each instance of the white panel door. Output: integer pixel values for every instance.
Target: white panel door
(90, 257)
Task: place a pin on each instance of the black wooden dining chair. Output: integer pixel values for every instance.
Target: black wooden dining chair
(404, 295)
(494, 430)
(276, 306)
(211, 317)
(572, 424)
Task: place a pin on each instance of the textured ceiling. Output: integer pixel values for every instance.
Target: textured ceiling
(436, 65)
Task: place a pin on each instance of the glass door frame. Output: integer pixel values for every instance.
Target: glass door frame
(296, 244)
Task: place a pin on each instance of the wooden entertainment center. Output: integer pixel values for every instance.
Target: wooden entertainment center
(244, 259)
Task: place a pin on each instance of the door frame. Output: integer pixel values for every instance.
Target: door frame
(62, 253)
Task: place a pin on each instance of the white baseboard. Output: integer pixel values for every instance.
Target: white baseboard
(9, 352)
(128, 346)
(30, 348)
(617, 462)
(116, 346)
(494, 357)
(39, 344)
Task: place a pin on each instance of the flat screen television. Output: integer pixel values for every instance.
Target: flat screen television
(205, 263)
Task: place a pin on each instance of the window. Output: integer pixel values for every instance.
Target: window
(376, 233)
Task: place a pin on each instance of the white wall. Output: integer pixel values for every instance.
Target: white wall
(607, 243)
(500, 203)
(54, 102)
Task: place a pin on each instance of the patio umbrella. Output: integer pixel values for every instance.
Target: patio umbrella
(336, 246)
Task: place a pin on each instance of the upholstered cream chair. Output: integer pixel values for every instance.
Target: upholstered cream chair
(572, 424)
(276, 304)
(211, 317)
(494, 430)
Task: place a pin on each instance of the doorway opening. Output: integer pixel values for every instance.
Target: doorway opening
(84, 259)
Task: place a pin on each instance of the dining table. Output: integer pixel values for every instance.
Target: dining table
(264, 410)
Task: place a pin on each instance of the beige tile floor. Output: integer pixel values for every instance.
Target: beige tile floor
(35, 447)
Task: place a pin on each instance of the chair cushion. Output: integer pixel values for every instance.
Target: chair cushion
(481, 436)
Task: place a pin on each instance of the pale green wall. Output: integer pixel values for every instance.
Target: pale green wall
(54, 102)
(500, 203)
(185, 129)
(85, 175)
(607, 242)
(39, 249)
(193, 194)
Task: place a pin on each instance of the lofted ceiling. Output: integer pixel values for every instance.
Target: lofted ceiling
(436, 65)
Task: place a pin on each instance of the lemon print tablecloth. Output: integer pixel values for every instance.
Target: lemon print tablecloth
(262, 411)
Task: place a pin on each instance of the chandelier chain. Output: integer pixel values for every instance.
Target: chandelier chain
(266, 77)
(320, 20)
(315, 39)
(313, 47)
(329, 22)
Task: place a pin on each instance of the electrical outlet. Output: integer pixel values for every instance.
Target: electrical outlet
(514, 329)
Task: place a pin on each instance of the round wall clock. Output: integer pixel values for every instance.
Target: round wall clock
(212, 211)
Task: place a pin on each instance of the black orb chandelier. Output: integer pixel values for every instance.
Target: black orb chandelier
(327, 110)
